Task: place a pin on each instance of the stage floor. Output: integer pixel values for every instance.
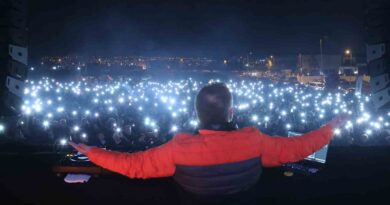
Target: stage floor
(351, 175)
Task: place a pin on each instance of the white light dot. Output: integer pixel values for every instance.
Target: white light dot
(46, 123)
(63, 141)
(174, 128)
(255, 118)
(84, 135)
(76, 128)
(2, 128)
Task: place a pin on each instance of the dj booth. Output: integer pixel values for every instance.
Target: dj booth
(78, 168)
(350, 175)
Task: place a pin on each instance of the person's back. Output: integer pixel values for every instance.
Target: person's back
(219, 159)
(217, 162)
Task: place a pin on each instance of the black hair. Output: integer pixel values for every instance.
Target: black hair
(213, 103)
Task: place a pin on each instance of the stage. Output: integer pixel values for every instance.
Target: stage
(352, 175)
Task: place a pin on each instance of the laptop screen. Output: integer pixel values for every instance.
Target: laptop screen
(319, 156)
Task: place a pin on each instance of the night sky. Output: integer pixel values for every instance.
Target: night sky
(194, 28)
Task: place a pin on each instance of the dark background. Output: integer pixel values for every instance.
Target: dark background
(194, 28)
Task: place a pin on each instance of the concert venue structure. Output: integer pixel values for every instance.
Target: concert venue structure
(124, 76)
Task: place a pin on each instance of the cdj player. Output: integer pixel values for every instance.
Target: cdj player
(77, 163)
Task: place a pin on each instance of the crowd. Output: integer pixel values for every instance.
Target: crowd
(130, 114)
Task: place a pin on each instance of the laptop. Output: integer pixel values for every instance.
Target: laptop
(311, 164)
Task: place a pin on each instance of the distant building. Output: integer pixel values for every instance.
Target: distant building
(308, 62)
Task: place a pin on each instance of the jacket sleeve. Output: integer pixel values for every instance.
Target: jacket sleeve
(155, 162)
(275, 151)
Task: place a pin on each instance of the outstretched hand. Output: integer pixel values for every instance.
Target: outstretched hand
(82, 148)
(338, 121)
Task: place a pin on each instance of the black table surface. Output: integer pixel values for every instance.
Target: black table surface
(351, 175)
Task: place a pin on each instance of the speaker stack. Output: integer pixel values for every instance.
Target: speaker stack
(378, 51)
(13, 54)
